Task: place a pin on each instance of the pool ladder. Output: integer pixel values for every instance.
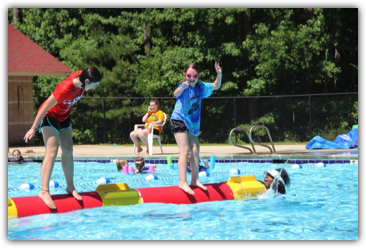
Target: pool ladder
(249, 133)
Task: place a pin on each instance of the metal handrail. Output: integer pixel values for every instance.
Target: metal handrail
(240, 129)
(257, 143)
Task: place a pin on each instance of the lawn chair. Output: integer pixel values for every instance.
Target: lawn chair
(151, 136)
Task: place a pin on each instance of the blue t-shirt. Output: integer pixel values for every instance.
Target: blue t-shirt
(188, 106)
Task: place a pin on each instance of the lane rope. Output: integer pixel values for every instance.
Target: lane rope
(177, 178)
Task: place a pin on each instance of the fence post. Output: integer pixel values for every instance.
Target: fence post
(103, 121)
(236, 140)
(162, 108)
(311, 134)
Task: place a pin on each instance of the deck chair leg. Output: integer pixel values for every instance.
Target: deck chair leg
(150, 143)
(161, 148)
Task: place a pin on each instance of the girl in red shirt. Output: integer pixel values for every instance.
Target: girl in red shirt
(53, 116)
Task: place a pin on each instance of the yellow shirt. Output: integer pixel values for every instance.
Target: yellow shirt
(159, 115)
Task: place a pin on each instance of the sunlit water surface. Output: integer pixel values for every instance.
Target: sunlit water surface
(321, 204)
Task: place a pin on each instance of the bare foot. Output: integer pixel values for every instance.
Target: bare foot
(74, 194)
(184, 186)
(198, 184)
(46, 197)
(147, 153)
(138, 151)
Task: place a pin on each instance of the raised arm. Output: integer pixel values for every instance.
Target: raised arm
(217, 83)
(179, 90)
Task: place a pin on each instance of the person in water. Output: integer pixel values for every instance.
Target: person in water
(200, 168)
(140, 165)
(18, 157)
(120, 163)
(283, 180)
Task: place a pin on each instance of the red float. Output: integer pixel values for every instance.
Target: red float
(175, 195)
(33, 205)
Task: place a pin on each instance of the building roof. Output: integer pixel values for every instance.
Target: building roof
(26, 58)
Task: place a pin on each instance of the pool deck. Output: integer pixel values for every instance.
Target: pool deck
(115, 152)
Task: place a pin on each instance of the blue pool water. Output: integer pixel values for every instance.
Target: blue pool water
(321, 204)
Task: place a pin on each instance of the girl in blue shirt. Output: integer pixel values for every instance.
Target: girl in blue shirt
(185, 121)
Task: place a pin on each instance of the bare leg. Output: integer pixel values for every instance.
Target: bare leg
(143, 137)
(182, 141)
(133, 135)
(51, 139)
(67, 159)
(195, 158)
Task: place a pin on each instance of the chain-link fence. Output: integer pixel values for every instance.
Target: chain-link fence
(296, 118)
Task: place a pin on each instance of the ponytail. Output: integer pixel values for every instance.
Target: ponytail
(90, 73)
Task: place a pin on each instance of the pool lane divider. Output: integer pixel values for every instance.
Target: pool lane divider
(120, 194)
(103, 180)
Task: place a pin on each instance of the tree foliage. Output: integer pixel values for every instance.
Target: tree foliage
(262, 51)
(143, 52)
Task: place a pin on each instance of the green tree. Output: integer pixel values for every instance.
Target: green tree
(291, 50)
(143, 52)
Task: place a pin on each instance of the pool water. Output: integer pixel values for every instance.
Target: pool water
(320, 204)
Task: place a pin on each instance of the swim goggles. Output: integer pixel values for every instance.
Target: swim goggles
(189, 75)
(274, 174)
(139, 165)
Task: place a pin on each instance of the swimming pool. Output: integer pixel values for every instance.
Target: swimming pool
(321, 204)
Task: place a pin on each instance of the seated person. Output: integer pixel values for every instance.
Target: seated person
(140, 165)
(18, 157)
(120, 163)
(152, 116)
(283, 180)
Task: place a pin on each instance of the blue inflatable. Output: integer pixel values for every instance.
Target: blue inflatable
(343, 141)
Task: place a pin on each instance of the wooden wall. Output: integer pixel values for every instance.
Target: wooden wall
(20, 109)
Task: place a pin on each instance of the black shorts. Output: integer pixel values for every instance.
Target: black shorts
(51, 122)
(177, 126)
(156, 132)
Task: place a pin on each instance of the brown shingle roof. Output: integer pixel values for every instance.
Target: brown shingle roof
(26, 58)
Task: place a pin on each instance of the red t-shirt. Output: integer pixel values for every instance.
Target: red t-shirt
(66, 94)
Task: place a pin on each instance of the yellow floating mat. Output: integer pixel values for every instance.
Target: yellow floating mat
(12, 209)
(118, 194)
(245, 187)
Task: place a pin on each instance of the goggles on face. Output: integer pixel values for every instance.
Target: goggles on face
(189, 75)
(274, 174)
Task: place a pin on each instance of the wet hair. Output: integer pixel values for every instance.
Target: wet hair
(193, 66)
(21, 159)
(139, 163)
(155, 100)
(16, 150)
(90, 73)
(120, 163)
(281, 188)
